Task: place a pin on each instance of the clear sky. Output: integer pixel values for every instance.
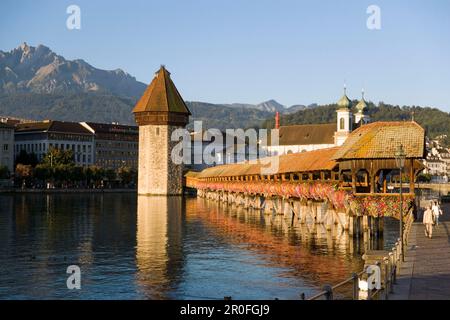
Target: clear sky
(223, 51)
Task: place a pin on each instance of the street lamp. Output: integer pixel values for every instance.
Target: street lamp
(400, 157)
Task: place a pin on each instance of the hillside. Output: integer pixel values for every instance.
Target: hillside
(435, 121)
(108, 108)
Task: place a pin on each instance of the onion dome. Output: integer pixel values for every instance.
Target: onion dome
(362, 104)
(344, 102)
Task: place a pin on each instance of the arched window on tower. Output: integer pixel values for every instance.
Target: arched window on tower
(342, 124)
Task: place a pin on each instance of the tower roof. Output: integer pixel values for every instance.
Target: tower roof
(362, 105)
(344, 102)
(161, 96)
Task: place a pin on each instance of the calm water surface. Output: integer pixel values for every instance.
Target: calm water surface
(131, 247)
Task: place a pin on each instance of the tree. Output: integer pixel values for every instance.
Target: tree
(4, 172)
(127, 175)
(424, 177)
(43, 172)
(56, 157)
(110, 174)
(26, 158)
(23, 172)
(94, 174)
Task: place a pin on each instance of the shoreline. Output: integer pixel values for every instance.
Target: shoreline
(44, 191)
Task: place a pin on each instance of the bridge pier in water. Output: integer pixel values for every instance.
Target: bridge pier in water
(318, 218)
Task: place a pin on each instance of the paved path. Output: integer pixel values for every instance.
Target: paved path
(425, 274)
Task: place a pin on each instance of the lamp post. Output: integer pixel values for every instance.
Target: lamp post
(400, 157)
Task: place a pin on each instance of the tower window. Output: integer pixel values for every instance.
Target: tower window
(157, 131)
(341, 124)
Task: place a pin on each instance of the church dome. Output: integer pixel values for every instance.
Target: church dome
(344, 102)
(362, 105)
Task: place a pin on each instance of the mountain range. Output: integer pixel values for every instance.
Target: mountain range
(28, 69)
(36, 83)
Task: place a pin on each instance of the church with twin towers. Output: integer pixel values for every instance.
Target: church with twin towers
(161, 110)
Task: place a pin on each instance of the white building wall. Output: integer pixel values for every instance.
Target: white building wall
(7, 148)
(83, 153)
(280, 150)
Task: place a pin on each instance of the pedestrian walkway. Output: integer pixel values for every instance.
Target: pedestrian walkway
(425, 274)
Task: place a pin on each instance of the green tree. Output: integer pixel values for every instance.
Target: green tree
(110, 174)
(43, 172)
(56, 157)
(127, 175)
(4, 172)
(94, 174)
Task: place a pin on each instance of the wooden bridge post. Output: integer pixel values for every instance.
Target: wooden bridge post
(279, 205)
(268, 205)
(330, 221)
(317, 213)
(351, 225)
(380, 225)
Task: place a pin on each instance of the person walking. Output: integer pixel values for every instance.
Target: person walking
(436, 212)
(428, 220)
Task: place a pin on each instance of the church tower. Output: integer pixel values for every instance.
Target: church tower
(361, 116)
(159, 112)
(344, 119)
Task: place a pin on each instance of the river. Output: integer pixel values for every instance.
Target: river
(130, 247)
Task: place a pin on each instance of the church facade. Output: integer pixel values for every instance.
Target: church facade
(310, 137)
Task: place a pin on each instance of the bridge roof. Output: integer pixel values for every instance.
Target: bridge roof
(296, 162)
(380, 140)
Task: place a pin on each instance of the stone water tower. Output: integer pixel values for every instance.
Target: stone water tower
(159, 112)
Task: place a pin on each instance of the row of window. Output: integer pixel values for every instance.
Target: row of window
(71, 137)
(42, 147)
(117, 163)
(112, 153)
(6, 134)
(118, 145)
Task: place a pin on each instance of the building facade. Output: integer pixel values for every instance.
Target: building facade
(116, 145)
(311, 137)
(7, 146)
(39, 137)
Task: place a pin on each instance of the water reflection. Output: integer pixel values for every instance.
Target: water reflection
(131, 247)
(309, 254)
(159, 248)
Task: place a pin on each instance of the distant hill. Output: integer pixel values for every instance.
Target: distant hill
(36, 83)
(267, 106)
(107, 108)
(28, 69)
(435, 121)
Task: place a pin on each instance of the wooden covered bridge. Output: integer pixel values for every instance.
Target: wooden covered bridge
(353, 185)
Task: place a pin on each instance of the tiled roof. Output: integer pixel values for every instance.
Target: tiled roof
(295, 162)
(381, 140)
(112, 128)
(161, 96)
(307, 134)
(6, 126)
(53, 126)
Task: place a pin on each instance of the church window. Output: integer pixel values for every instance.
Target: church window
(341, 124)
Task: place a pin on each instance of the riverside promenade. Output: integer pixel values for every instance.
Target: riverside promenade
(425, 274)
